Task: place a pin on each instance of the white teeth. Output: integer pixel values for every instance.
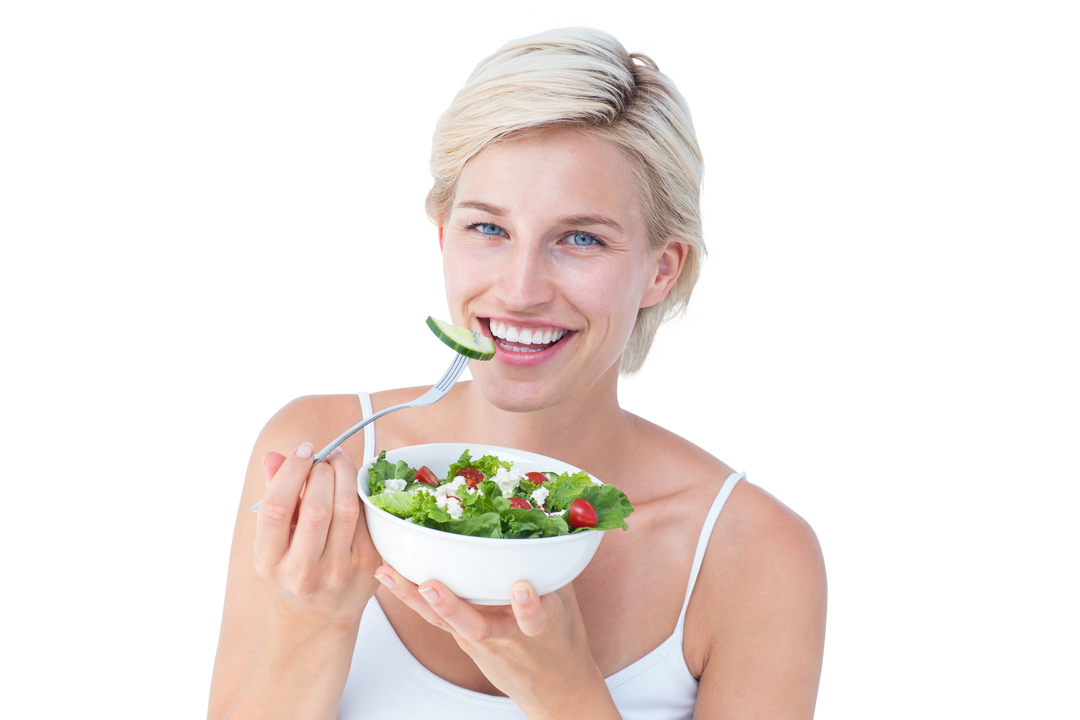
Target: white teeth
(525, 336)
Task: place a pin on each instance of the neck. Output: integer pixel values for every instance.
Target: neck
(586, 430)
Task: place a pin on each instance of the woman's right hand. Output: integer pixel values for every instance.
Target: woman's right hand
(311, 539)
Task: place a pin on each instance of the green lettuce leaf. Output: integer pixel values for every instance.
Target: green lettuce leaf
(401, 504)
(381, 471)
(535, 524)
(488, 464)
(611, 505)
(566, 488)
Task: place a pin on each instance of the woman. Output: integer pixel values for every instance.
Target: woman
(566, 199)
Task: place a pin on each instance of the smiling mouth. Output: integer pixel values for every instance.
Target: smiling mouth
(520, 339)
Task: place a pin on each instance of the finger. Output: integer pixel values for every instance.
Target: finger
(274, 524)
(408, 593)
(531, 616)
(468, 622)
(271, 464)
(339, 538)
(313, 520)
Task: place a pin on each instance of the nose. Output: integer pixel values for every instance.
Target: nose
(525, 276)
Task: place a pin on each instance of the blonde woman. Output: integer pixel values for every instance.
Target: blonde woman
(566, 191)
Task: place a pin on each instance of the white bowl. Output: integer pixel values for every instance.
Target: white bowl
(479, 570)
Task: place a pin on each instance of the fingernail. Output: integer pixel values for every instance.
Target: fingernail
(521, 595)
(335, 452)
(386, 580)
(305, 450)
(429, 594)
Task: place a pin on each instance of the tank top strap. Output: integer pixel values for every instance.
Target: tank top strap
(369, 429)
(703, 540)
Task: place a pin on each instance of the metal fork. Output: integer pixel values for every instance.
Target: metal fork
(432, 396)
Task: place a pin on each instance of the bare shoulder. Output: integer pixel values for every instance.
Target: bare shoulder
(317, 419)
(757, 615)
(755, 529)
(757, 540)
(310, 418)
(761, 537)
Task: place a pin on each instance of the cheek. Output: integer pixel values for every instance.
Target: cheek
(597, 295)
(461, 278)
(608, 292)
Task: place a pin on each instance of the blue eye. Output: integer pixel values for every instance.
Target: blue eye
(488, 229)
(582, 240)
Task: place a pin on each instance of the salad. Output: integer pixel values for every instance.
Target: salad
(486, 497)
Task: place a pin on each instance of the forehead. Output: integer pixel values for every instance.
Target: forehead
(568, 171)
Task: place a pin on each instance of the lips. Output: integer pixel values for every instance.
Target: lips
(525, 339)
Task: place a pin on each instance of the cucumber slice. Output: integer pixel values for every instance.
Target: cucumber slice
(462, 341)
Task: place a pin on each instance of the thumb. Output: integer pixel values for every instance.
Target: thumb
(531, 616)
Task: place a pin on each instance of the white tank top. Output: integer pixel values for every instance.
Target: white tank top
(386, 681)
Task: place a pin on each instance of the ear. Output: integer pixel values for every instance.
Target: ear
(440, 237)
(668, 263)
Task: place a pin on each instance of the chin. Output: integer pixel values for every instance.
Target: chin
(513, 395)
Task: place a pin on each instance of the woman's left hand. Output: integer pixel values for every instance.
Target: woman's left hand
(534, 649)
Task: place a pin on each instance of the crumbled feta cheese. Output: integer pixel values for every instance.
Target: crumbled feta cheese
(445, 497)
(539, 496)
(394, 485)
(450, 504)
(558, 512)
(507, 480)
(449, 488)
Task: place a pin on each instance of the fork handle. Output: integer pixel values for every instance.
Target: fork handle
(422, 401)
(319, 456)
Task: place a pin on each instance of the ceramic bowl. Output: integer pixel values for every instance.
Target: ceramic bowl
(479, 570)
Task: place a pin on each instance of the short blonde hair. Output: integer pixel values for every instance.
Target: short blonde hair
(583, 77)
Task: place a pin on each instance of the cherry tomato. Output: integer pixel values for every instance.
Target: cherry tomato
(517, 502)
(538, 478)
(472, 476)
(581, 514)
(425, 475)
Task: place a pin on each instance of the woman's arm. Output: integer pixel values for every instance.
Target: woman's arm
(300, 574)
(758, 612)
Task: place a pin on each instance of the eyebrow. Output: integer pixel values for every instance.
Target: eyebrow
(569, 220)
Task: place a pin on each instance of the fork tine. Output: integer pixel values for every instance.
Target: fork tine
(452, 373)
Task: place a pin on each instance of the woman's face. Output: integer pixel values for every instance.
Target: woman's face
(545, 251)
